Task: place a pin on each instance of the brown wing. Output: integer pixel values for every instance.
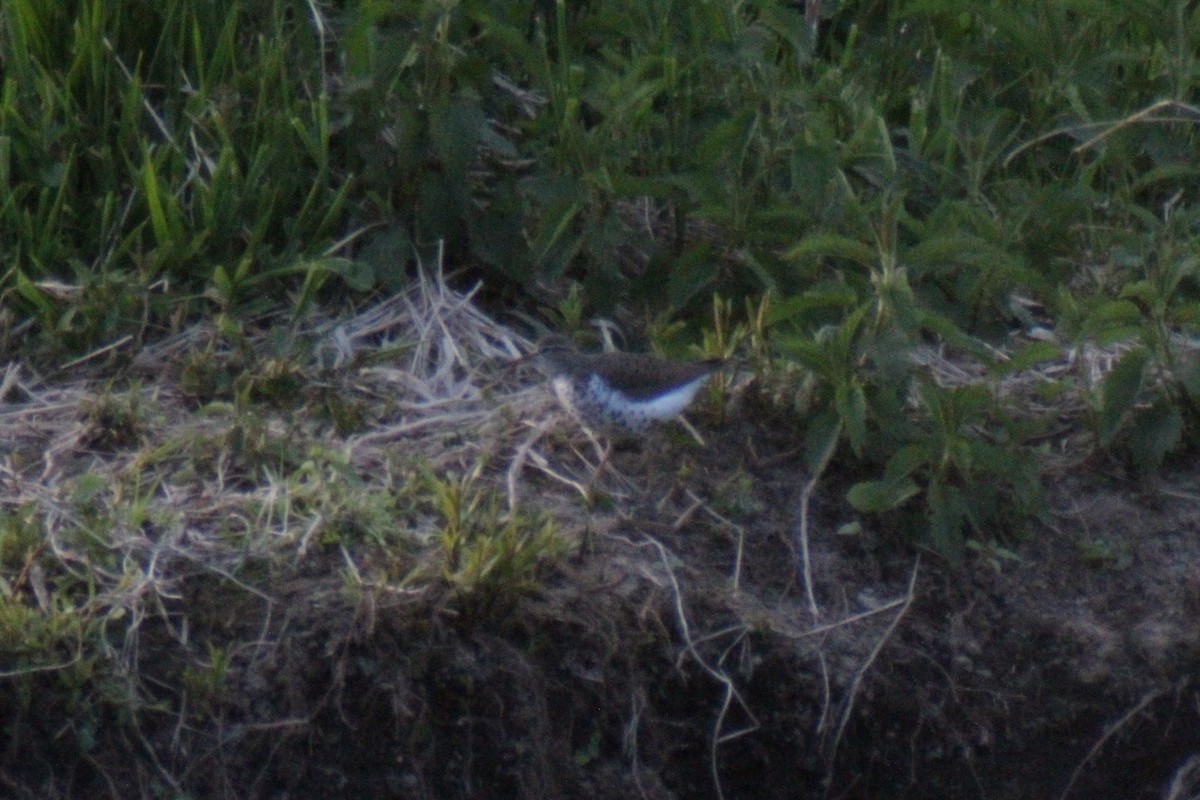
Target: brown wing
(640, 376)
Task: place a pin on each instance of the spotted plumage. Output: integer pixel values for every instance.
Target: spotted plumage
(620, 392)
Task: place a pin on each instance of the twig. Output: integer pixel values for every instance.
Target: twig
(543, 464)
(722, 519)
(1184, 781)
(856, 684)
(1109, 128)
(96, 353)
(805, 499)
(826, 692)
(730, 692)
(1125, 719)
(695, 433)
(853, 618)
(630, 740)
(11, 372)
(1145, 115)
(805, 563)
(518, 462)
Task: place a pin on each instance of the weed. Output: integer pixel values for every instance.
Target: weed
(21, 538)
(205, 683)
(1150, 398)
(114, 423)
(206, 378)
(488, 558)
(951, 466)
(1101, 553)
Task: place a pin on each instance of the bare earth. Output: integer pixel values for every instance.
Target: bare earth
(707, 631)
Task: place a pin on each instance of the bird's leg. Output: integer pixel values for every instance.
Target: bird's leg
(695, 433)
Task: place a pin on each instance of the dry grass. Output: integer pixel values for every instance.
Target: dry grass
(427, 373)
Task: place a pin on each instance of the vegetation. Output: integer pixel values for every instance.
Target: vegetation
(188, 188)
(918, 169)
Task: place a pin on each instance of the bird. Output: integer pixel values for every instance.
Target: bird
(619, 393)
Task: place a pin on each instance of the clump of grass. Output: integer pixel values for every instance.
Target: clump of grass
(148, 157)
(114, 422)
(489, 558)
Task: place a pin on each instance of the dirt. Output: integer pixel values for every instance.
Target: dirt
(1069, 672)
(677, 652)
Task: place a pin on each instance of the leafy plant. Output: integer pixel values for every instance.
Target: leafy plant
(949, 465)
(1150, 400)
(489, 558)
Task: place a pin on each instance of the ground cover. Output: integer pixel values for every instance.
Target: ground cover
(243, 595)
(282, 514)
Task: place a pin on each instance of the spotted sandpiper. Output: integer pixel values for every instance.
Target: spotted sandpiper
(615, 392)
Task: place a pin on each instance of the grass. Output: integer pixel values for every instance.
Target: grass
(914, 171)
(187, 191)
(146, 569)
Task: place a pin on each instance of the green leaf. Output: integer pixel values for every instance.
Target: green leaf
(949, 248)
(816, 302)
(455, 130)
(905, 461)
(852, 409)
(833, 245)
(1120, 391)
(488, 137)
(728, 136)
(358, 275)
(223, 283)
(1185, 314)
(812, 355)
(88, 488)
(496, 239)
(1142, 290)
(388, 253)
(820, 441)
(29, 290)
(843, 340)
(947, 513)
(878, 496)
(1027, 356)
(760, 265)
(154, 202)
(944, 328)
(1155, 432)
(693, 271)
(1188, 375)
(1110, 316)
